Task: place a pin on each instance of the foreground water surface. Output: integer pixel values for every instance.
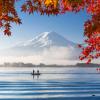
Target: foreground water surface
(53, 84)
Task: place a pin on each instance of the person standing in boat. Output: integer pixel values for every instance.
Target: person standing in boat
(33, 71)
(38, 72)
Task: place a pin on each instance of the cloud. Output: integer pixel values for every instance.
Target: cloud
(54, 55)
(61, 53)
(37, 60)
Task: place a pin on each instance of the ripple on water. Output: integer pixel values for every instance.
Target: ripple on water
(71, 86)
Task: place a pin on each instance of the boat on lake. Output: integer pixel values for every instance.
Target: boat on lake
(35, 73)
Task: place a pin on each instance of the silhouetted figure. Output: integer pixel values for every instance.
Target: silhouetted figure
(38, 72)
(33, 71)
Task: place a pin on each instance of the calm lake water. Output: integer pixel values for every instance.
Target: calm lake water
(53, 84)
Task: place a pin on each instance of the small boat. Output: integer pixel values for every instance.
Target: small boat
(36, 74)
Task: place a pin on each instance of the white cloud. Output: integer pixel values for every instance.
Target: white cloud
(37, 60)
(62, 53)
(54, 55)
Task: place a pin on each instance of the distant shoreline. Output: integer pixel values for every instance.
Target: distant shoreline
(20, 64)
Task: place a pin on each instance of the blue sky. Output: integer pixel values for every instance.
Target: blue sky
(69, 25)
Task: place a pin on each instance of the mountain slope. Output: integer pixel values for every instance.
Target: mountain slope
(47, 47)
(45, 40)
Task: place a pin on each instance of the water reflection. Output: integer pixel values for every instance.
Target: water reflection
(53, 83)
(36, 76)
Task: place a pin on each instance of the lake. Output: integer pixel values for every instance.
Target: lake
(53, 84)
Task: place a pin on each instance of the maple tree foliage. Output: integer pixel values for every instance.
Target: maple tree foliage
(91, 47)
(8, 14)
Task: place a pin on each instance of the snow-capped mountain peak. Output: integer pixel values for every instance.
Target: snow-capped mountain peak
(47, 39)
(46, 44)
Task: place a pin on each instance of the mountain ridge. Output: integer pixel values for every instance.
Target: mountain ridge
(47, 39)
(43, 43)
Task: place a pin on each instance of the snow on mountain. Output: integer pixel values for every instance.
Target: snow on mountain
(46, 40)
(47, 47)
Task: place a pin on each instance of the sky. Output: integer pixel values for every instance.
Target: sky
(69, 25)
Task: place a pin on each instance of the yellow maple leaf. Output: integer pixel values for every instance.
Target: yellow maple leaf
(55, 3)
(48, 2)
(51, 2)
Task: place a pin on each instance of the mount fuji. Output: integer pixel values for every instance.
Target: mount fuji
(47, 47)
(43, 41)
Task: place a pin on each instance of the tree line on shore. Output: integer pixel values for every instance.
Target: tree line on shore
(21, 64)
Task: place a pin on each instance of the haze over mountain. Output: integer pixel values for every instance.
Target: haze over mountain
(45, 40)
(48, 47)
